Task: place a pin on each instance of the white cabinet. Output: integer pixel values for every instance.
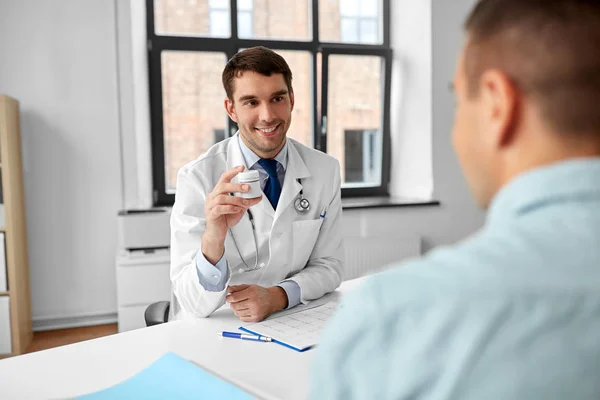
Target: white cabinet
(142, 279)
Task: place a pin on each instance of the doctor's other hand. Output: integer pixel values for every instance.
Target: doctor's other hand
(222, 212)
(253, 303)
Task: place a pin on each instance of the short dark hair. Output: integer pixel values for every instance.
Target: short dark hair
(255, 59)
(550, 49)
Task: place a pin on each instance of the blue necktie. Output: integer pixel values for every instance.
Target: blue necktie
(273, 187)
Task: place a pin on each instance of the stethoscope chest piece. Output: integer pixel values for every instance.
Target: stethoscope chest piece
(301, 204)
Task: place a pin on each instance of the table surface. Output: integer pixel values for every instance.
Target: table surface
(265, 370)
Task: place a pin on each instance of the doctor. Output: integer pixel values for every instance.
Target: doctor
(264, 254)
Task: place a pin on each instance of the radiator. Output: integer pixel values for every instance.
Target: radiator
(367, 255)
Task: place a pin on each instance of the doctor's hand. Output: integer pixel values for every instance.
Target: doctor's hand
(222, 212)
(253, 303)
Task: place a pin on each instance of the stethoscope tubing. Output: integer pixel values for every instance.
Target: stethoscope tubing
(300, 209)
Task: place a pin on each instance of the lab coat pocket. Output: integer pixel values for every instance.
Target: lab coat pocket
(305, 234)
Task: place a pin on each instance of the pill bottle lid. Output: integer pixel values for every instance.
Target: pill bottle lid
(247, 176)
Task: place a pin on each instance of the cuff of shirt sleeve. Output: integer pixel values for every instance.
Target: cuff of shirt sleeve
(292, 289)
(212, 277)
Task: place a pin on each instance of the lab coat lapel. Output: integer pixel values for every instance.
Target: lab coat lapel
(265, 206)
(235, 158)
(296, 169)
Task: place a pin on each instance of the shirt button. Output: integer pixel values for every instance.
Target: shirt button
(241, 270)
(216, 276)
(262, 265)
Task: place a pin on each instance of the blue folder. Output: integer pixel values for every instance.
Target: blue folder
(171, 377)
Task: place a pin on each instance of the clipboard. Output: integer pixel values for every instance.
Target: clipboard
(300, 330)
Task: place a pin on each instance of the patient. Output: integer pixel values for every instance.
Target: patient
(513, 312)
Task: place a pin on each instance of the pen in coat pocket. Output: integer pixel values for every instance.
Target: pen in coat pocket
(322, 216)
(323, 213)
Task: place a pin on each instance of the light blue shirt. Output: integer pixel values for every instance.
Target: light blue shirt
(511, 313)
(214, 277)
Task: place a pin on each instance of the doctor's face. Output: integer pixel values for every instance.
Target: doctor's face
(262, 107)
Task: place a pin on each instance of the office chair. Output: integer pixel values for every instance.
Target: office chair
(157, 313)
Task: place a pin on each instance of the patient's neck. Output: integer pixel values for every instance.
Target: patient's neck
(546, 148)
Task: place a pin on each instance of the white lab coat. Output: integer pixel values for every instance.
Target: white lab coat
(291, 246)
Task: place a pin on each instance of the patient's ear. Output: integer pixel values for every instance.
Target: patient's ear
(499, 107)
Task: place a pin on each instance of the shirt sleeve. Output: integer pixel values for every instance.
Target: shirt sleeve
(213, 278)
(292, 289)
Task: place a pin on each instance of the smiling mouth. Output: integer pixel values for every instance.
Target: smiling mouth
(268, 131)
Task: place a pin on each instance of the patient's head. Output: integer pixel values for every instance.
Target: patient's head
(528, 89)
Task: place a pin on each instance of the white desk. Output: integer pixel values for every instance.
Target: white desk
(265, 370)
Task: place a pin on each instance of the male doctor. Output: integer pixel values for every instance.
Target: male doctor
(264, 254)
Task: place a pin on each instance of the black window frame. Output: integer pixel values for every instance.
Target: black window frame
(156, 44)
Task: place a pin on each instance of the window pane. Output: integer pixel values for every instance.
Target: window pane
(369, 8)
(350, 30)
(354, 117)
(333, 17)
(224, 4)
(368, 31)
(349, 8)
(244, 5)
(219, 23)
(192, 17)
(280, 19)
(319, 89)
(353, 168)
(245, 24)
(193, 113)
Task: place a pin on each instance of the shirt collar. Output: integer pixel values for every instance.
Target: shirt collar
(252, 158)
(564, 181)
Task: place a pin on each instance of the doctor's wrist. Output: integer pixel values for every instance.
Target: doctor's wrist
(212, 249)
(279, 299)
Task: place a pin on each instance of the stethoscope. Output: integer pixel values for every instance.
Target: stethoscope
(301, 205)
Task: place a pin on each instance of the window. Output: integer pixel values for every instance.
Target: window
(219, 18)
(358, 22)
(340, 57)
(363, 149)
(245, 19)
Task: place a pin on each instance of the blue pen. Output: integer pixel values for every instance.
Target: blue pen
(323, 213)
(322, 216)
(245, 336)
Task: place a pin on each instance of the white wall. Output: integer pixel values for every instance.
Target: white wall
(61, 59)
(411, 100)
